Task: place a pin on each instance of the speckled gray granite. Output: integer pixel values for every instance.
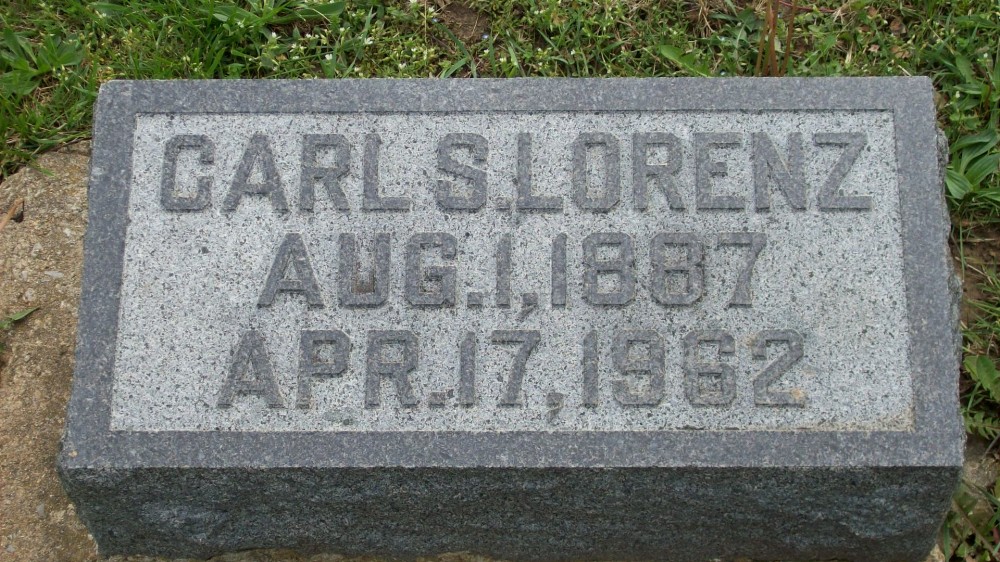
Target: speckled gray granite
(534, 319)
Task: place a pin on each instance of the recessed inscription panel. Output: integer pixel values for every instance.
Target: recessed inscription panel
(513, 272)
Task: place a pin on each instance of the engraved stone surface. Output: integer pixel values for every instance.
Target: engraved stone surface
(536, 319)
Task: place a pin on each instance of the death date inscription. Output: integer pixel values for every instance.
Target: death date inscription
(637, 356)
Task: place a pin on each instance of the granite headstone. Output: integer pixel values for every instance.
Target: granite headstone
(532, 319)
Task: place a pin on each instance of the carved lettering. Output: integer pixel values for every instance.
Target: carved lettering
(250, 373)
(831, 198)
(526, 199)
(397, 369)
(359, 289)
(769, 168)
(527, 339)
(663, 174)
(706, 169)
(310, 366)
(607, 145)
(689, 269)
(291, 254)
(591, 374)
(430, 285)
(651, 367)
(710, 383)
(257, 154)
(467, 370)
(621, 267)
(475, 176)
(329, 176)
(559, 271)
(373, 199)
(756, 241)
(169, 197)
(763, 394)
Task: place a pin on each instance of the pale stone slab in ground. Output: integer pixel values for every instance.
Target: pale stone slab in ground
(528, 318)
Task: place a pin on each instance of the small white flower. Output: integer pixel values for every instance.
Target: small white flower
(274, 35)
(328, 56)
(401, 65)
(369, 40)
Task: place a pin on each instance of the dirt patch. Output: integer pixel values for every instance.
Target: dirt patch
(467, 24)
(40, 263)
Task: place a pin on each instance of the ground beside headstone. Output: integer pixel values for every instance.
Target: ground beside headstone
(40, 263)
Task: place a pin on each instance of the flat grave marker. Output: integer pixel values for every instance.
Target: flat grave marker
(535, 319)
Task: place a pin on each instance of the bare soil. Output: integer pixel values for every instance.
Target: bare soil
(40, 263)
(466, 23)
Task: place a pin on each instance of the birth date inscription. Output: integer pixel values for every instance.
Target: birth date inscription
(536, 271)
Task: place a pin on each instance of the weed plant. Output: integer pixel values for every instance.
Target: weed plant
(7, 322)
(54, 55)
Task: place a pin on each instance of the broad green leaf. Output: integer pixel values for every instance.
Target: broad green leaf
(982, 167)
(16, 62)
(455, 67)
(19, 47)
(331, 10)
(988, 138)
(18, 82)
(975, 88)
(234, 14)
(8, 321)
(983, 371)
(964, 68)
(69, 54)
(685, 62)
(18, 316)
(995, 74)
(958, 185)
(108, 9)
(990, 195)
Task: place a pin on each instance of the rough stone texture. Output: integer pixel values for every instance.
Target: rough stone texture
(873, 488)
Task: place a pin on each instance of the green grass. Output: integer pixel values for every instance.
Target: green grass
(54, 55)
